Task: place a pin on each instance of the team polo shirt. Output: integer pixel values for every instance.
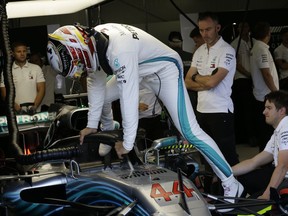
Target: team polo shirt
(25, 81)
(221, 55)
(281, 52)
(279, 140)
(50, 79)
(261, 58)
(243, 55)
(148, 97)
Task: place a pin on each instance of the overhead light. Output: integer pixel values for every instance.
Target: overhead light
(21, 9)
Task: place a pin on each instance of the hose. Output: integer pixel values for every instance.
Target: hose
(49, 154)
(8, 81)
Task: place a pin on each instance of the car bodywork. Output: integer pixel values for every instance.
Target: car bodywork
(75, 185)
(155, 190)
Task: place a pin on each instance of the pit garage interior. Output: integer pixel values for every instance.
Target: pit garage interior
(31, 21)
(158, 17)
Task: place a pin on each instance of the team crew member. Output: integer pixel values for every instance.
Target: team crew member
(275, 112)
(265, 79)
(281, 59)
(242, 85)
(28, 79)
(133, 56)
(211, 75)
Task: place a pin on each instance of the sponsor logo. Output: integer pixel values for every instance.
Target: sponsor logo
(116, 63)
(120, 70)
(229, 57)
(213, 62)
(284, 138)
(27, 119)
(133, 32)
(264, 58)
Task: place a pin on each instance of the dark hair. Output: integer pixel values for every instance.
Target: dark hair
(208, 14)
(174, 35)
(284, 30)
(36, 53)
(279, 98)
(195, 33)
(17, 44)
(261, 30)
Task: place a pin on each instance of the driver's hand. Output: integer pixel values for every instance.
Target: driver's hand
(120, 149)
(86, 131)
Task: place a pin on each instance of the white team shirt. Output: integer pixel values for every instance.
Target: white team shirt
(25, 80)
(243, 55)
(281, 52)
(50, 80)
(261, 58)
(220, 55)
(148, 97)
(279, 140)
(132, 54)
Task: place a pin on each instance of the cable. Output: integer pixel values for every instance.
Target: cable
(188, 18)
(49, 154)
(157, 96)
(8, 81)
(243, 21)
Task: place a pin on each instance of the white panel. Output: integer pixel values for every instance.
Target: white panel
(21, 9)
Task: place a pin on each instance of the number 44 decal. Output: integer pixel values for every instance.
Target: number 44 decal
(158, 191)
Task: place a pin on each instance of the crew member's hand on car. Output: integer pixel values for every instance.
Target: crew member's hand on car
(86, 131)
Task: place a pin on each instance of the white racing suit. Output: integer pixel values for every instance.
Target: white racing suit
(135, 56)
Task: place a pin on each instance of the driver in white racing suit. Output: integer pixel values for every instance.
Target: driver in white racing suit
(133, 56)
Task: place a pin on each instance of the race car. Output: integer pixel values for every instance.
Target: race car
(65, 187)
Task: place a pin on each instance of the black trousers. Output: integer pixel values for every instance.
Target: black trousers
(256, 181)
(283, 84)
(220, 126)
(242, 96)
(153, 127)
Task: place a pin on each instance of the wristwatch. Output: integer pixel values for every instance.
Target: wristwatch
(194, 77)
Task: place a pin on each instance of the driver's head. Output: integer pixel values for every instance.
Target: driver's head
(71, 51)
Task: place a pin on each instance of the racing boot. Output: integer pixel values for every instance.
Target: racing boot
(232, 188)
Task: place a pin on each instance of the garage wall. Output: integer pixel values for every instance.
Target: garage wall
(159, 30)
(159, 17)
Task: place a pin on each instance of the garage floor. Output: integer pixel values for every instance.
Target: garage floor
(245, 151)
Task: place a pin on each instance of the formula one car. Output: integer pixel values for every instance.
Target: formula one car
(62, 186)
(64, 178)
(60, 177)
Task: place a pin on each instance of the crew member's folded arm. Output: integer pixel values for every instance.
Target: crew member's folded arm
(197, 82)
